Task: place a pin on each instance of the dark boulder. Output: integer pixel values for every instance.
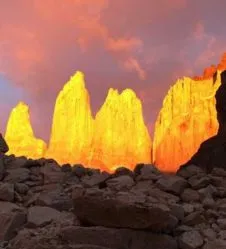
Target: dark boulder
(3, 145)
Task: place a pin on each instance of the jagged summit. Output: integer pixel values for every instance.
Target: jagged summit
(75, 83)
(211, 152)
(20, 135)
(119, 118)
(187, 118)
(72, 125)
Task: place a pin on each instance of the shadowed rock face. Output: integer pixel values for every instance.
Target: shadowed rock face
(221, 105)
(212, 152)
(3, 145)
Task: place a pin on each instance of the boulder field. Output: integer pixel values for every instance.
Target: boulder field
(47, 206)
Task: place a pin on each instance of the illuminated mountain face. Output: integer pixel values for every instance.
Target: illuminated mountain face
(20, 136)
(187, 118)
(120, 137)
(117, 136)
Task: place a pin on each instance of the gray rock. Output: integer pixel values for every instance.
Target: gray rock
(12, 217)
(143, 186)
(172, 184)
(123, 182)
(190, 240)
(3, 145)
(194, 218)
(209, 191)
(222, 235)
(209, 233)
(215, 227)
(95, 179)
(21, 188)
(117, 238)
(13, 162)
(79, 170)
(222, 223)
(189, 171)
(77, 191)
(55, 199)
(216, 244)
(17, 175)
(52, 173)
(208, 202)
(66, 167)
(190, 195)
(41, 216)
(121, 212)
(147, 172)
(7, 192)
(120, 171)
(177, 211)
(162, 196)
(198, 182)
(218, 172)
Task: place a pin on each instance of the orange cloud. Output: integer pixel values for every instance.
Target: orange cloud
(47, 22)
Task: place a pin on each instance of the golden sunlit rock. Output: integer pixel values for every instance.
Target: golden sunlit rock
(187, 118)
(120, 137)
(20, 136)
(72, 127)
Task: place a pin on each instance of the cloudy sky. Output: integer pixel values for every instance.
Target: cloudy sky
(140, 44)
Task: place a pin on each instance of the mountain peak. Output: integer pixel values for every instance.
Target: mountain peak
(19, 134)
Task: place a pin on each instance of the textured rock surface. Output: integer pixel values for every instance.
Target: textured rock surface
(89, 209)
(72, 125)
(120, 118)
(211, 153)
(187, 118)
(20, 136)
(3, 145)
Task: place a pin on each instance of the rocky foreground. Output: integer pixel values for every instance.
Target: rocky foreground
(45, 206)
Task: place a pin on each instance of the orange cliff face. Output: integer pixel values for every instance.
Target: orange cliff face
(20, 136)
(121, 137)
(187, 118)
(72, 127)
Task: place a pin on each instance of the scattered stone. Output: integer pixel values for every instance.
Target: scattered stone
(21, 188)
(146, 172)
(116, 238)
(125, 213)
(12, 217)
(17, 175)
(190, 240)
(172, 184)
(6, 192)
(222, 223)
(41, 216)
(3, 145)
(189, 171)
(13, 162)
(190, 195)
(120, 171)
(209, 233)
(52, 173)
(66, 168)
(198, 182)
(194, 219)
(79, 170)
(55, 199)
(123, 182)
(95, 179)
(216, 244)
